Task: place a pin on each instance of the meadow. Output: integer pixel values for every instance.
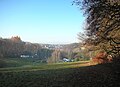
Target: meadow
(66, 74)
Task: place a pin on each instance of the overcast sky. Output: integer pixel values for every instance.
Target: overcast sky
(41, 21)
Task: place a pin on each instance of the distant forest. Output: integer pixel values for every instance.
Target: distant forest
(14, 47)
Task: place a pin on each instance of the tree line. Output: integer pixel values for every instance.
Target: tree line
(102, 29)
(16, 48)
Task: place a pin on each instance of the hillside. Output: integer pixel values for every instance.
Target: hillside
(61, 75)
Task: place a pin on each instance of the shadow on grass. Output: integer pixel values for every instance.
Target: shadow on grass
(105, 75)
(44, 67)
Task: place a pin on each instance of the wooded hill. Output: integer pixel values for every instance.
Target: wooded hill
(14, 47)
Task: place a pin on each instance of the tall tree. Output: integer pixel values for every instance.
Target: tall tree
(44, 54)
(55, 57)
(103, 23)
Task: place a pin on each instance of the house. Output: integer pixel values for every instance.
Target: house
(66, 60)
(24, 56)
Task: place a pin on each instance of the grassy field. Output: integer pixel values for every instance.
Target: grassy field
(45, 66)
(18, 62)
(70, 74)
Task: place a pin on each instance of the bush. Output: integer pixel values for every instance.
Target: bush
(101, 57)
(2, 64)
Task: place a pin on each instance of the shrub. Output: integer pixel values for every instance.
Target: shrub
(101, 57)
(2, 64)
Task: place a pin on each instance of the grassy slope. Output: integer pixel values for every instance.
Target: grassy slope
(31, 67)
(18, 62)
(76, 74)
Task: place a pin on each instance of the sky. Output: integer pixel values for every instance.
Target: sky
(41, 21)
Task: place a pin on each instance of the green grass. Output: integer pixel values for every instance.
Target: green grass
(18, 62)
(70, 74)
(42, 75)
(45, 66)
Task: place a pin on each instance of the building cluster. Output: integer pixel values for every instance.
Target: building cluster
(52, 46)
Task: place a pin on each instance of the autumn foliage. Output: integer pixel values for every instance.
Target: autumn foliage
(101, 58)
(16, 39)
